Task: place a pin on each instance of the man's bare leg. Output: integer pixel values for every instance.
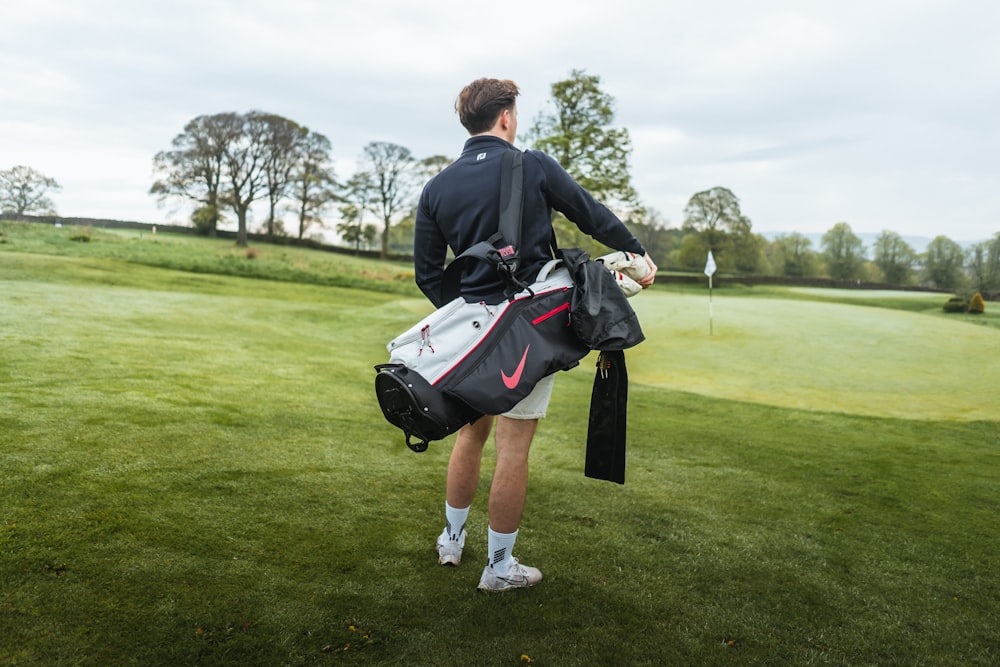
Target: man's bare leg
(463, 466)
(463, 478)
(510, 479)
(507, 496)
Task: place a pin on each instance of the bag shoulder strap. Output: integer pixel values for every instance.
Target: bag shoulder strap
(501, 249)
(511, 201)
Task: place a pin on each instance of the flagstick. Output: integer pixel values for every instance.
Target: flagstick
(709, 270)
(711, 331)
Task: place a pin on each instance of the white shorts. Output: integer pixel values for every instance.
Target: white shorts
(535, 404)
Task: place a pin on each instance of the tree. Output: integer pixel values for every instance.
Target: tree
(314, 185)
(285, 143)
(580, 136)
(205, 218)
(230, 159)
(358, 193)
(353, 230)
(894, 256)
(194, 168)
(430, 167)
(792, 255)
(391, 176)
(943, 263)
(655, 234)
(843, 251)
(983, 262)
(713, 213)
(23, 189)
(747, 248)
(977, 306)
(245, 159)
(693, 252)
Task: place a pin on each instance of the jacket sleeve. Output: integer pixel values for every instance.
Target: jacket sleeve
(593, 218)
(430, 250)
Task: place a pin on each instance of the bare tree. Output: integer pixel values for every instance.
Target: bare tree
(391, 172)
(245, 159)
(314, 185)
(358, 197)
(194, 168)
(23, 189)
(431, 166)
(285, 144)
(654, 232)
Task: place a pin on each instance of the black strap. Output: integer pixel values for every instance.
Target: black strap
(501, 249)
(511, 200)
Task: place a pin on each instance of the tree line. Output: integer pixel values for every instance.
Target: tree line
(713, 221)
(226, 163)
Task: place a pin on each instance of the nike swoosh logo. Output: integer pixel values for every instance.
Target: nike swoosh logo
(511, 381)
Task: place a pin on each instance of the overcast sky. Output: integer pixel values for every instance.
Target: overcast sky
(879, 113)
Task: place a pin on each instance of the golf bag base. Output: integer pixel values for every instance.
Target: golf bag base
(412, 405)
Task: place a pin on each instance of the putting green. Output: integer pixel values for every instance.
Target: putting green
(820, 356)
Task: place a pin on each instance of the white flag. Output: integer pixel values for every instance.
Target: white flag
(710, 265)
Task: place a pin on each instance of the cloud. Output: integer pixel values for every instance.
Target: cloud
(880, 114)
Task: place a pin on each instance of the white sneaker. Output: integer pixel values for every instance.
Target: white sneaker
(518, 576)
(449, 548)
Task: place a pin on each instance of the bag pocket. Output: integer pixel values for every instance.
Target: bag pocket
(533, 339)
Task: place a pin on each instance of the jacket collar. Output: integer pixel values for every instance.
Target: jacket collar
(481, 141)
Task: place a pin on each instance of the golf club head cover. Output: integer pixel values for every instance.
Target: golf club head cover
(632, 265)
(627, 268)
(629, 286)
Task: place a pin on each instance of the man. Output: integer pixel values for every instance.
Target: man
(458, 208)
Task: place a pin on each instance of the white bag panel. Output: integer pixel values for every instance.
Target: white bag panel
(444, 337)
(436, 343)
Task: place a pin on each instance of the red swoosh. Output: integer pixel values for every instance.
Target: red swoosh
(511, 381)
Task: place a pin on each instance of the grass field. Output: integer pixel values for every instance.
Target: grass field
(195, 471)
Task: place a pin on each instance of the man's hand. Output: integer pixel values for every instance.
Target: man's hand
(648, 279)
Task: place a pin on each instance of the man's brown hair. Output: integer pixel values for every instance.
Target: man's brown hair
(481, 102)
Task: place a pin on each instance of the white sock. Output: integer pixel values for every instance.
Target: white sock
(501, 547)
(455, 521)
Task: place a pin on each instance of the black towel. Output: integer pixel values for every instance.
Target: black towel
(606, 428)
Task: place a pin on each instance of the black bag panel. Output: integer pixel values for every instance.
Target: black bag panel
(602, 317)
(533, 340)
(411, 404)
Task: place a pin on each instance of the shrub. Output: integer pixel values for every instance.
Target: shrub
(976, 304)
(82, 236)
(956, 304)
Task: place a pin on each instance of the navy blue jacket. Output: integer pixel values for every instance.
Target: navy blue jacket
(461, 207)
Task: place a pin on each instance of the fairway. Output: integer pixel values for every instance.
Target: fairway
(819, 356)
(195, 471)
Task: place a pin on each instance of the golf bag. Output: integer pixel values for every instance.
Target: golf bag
(466, 360)
(469, 359)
